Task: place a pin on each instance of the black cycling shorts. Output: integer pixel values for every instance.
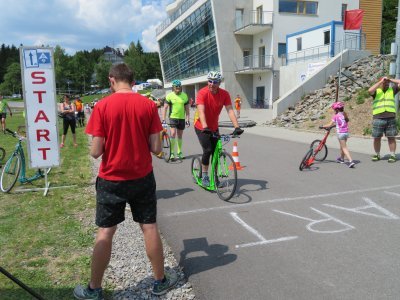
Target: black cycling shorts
(112, 197)
(177, 123)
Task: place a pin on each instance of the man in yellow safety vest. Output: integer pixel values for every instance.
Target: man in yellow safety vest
(384, 115)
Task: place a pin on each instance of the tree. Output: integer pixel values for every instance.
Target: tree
(389, 19)
(12, 80)
(101, 70)
(61, 68)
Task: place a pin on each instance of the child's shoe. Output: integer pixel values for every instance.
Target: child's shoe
(340, 160)
(352, 164)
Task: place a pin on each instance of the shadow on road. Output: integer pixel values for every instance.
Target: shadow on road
(245, 187)
(166, 194)
(198, 256)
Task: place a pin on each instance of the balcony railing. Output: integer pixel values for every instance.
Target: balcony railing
(255, 63)
(186, 4)
(253, 20)
(352, 41)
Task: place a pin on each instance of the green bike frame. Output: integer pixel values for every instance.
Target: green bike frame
(214, 164)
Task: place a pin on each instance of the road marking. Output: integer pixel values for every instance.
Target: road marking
(202, 210)
(314, 222)
(372, 204)
(262, 240)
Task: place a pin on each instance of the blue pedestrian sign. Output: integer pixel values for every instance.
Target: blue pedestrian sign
(35, 58)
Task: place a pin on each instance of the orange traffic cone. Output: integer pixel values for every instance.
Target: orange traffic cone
(235, 156)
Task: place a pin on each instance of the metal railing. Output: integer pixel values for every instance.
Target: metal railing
(254, 17)
(256, 62)
(186, 4)
(352, 41)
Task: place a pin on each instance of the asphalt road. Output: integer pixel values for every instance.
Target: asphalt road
(326, 233)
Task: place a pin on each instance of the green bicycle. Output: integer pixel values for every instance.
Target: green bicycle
(16, 166)
(222, 172)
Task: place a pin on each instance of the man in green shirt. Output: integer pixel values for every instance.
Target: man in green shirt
(3, 112)
(177, 102)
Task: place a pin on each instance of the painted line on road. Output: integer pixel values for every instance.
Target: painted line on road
(262, 240)
(309, 197)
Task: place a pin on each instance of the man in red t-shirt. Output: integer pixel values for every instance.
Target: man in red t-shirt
(125, 127)
(210, 101)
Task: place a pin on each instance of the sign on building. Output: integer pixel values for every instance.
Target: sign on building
(39, 88)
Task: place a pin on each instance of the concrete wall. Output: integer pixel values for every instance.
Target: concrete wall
(317, 81)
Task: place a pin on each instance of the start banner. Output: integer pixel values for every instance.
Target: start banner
(39, 90)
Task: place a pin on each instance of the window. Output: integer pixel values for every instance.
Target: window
(327, 37)
(298, 7)
(298, 44)
(344, 8)
(281, 49)
(288, 6)
(239, 18)
(246, 58)
(259, 15)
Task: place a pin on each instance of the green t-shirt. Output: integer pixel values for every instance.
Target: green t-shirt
(177, 105)
(3, 106)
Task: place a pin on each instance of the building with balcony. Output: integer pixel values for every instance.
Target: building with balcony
(244, 39)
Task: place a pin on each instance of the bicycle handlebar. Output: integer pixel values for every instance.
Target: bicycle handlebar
(14, 134)
(327, 128)
(10, 132)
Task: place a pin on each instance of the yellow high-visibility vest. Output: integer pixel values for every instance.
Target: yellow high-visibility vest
(384, 101)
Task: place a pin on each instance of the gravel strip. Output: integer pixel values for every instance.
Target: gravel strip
(129, 272)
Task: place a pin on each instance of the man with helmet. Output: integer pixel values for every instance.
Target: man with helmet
(384, 115)
(177, 102)
(210, 101)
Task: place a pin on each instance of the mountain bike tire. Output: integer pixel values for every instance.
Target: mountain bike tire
(225, 175)
(166, 146)
(305, 159)
(322, 154)
(10, 173)
(196, 169)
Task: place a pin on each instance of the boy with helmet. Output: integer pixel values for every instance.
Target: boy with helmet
(177, 102)
(210, 101)
(341, 120)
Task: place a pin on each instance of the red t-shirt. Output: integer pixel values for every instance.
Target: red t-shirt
(213, 104)
(126, 121)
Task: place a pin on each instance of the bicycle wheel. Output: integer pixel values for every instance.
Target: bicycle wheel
(196, 169)
(2, 153)
(166, 146)
(225, 175)
(322, 153)
(10, 173)
(304, 161)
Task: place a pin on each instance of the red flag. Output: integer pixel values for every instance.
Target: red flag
(353, 19)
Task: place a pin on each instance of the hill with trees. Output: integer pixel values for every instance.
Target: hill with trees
(77, 73)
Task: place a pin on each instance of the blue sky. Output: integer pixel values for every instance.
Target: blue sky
(81, 24)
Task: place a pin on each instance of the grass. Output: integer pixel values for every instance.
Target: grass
(43, 240)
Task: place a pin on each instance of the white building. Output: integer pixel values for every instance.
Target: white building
(244, 39)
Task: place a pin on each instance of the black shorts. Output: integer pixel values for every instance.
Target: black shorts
(112, 196)
(3, 115)
(177, 123)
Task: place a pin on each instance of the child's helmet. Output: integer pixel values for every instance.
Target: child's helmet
(337, 105)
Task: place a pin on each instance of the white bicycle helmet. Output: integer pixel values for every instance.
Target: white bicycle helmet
(214, 75)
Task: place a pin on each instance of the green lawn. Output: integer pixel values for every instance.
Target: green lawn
(45, 241)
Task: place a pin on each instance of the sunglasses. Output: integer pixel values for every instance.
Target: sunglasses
(214, 81)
